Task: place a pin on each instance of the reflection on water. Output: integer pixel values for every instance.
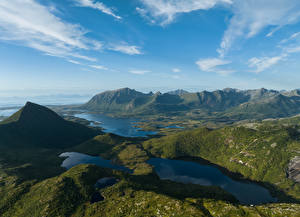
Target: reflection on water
(189, 172)
(119, 126)
(174, 127)
(105, 182)
(74, 158)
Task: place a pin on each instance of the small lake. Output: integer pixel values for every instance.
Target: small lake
(74, 159)
(189, 172)
(120, 126)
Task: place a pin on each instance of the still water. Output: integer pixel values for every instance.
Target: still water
(189, 172)
(185, 172)
(119, 126)
(74, 158)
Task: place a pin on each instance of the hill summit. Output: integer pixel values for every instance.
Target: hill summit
(37, 125)
(33, 114)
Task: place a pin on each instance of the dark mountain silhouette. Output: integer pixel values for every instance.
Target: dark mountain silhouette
(39, 126)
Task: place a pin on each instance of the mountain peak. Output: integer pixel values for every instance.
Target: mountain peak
(33, 114)
(178, 92)
(28, 103)
(114, 98)
(228, 89)
(41, 126)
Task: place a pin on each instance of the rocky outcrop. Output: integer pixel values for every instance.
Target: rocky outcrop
(293, 170)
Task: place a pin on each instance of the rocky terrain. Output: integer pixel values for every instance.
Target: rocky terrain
(294, 169)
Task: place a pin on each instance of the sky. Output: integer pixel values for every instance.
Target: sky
(86, 46)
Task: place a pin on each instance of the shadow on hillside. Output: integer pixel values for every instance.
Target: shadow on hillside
(177, 190)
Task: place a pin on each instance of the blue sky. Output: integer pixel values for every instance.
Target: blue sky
(85, 46)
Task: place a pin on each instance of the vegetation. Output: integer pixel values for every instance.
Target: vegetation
(259, 153)
(70, 194)
(32, 183)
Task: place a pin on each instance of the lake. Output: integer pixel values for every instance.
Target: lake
(173, 127)
(120, 126)
(190, 172)
(74, 158)
(185, 172)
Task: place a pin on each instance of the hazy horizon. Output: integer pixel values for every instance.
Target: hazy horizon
(88, 93)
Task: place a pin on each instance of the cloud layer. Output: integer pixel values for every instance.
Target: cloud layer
(251, 17)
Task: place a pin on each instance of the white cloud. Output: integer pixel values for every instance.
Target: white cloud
(164, 11)
(263, 63)
(139, 72)
(176, 70)
(292, 37)
(31, 24)
(295, 35)
(98, 67)
(210, 64)
(251, 17)
(127, 49)
(74, 62)
(289, 46)
(98, 6)
(213, 65)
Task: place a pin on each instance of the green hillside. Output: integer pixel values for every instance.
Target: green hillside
(257, 151)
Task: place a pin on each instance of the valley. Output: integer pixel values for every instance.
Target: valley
(34, 181)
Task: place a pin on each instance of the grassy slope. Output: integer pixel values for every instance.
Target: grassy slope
(69, 195)
(125, 151)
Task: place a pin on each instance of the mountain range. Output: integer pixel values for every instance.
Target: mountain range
(233, 103)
